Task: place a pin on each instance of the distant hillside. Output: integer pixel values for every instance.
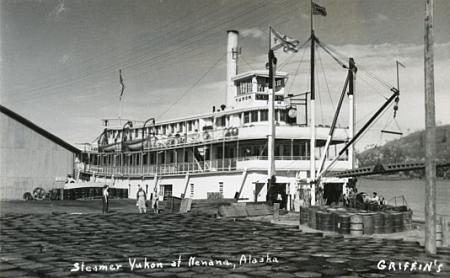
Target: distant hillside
(410, 148)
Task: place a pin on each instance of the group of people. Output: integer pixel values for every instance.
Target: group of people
(352, 193)
(375, 199)
(141, 197)
(141, 203)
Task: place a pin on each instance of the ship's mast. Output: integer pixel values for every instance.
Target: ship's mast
(312, 175)
(271, 117)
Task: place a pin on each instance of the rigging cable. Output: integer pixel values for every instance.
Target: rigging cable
(246, 63)
(193, 85)
(318, 95)
(360, 68)
(326, 81)
(342, 64)
(296, 71)
(192, 40)
(371, 87)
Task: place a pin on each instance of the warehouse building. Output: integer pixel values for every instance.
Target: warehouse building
(30, 157)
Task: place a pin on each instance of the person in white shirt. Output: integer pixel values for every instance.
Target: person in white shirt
(105, 198)
(375, 198)
(141, 198)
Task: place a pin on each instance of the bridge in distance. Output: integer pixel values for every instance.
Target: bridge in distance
(382, 169)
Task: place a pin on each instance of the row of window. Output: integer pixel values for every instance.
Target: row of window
(263, 116)
(266, 97)
(294, 149)
(262, 84)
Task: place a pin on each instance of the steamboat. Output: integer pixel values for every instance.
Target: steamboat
(261, 143)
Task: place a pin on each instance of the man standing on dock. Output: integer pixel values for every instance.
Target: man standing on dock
(105, 197)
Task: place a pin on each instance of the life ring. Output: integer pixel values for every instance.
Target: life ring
(227, 132)
(234, 131)
(27, 196)
(206, 135)
(39, 193)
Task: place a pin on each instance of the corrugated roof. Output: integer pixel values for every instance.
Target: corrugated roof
(39, 130)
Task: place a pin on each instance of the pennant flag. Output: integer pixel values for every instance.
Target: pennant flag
(121, 83)
(282, 41)
(318, 10)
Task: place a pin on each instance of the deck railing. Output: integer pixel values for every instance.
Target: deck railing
(217, 165)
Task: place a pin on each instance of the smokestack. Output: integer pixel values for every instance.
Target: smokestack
(232, 57)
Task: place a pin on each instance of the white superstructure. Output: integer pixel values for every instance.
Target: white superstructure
(223, 153)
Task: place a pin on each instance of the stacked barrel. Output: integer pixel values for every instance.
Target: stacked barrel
(356, 225)
(93, 193)
(355, 222)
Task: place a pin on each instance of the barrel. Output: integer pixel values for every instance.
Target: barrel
(343, 224)
(312, 218)
(397, 221)
(360, 205)
(388, 222)
(326, 221)
(304, 215)
(407, 220)
(439, 232)
(334, 220)
(372, 206)
(368, 223)
(402, 208)
(378, 223)
(356, 225)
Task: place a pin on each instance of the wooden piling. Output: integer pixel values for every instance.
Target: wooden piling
(276, 211)
(445, 232)
(430, 133)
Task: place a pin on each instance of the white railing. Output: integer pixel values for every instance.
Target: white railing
(219, 165)
(178, 140)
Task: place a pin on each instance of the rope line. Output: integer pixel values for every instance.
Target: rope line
(192, 86)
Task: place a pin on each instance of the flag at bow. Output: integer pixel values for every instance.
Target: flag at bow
(122, 84)
(278, 41)
(318, 10)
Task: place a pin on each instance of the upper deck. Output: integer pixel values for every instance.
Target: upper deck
(245, 119)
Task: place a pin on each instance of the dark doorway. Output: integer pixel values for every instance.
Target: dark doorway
(166, 190)
(332, 193)
(258, 187)
(273, 192)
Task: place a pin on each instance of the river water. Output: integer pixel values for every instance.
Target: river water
(413, 190)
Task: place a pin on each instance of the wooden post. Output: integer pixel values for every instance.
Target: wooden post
(445, 232)
(276, 211)
(430, 135)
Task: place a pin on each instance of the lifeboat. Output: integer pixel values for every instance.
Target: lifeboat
(109, 147)
(134, 145)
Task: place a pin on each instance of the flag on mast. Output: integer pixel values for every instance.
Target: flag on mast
(122, 84)
(282, 41)
(318, 10)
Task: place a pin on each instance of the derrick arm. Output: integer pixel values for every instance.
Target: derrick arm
(395, 94)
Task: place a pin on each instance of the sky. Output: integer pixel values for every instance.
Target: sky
(60, 59)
